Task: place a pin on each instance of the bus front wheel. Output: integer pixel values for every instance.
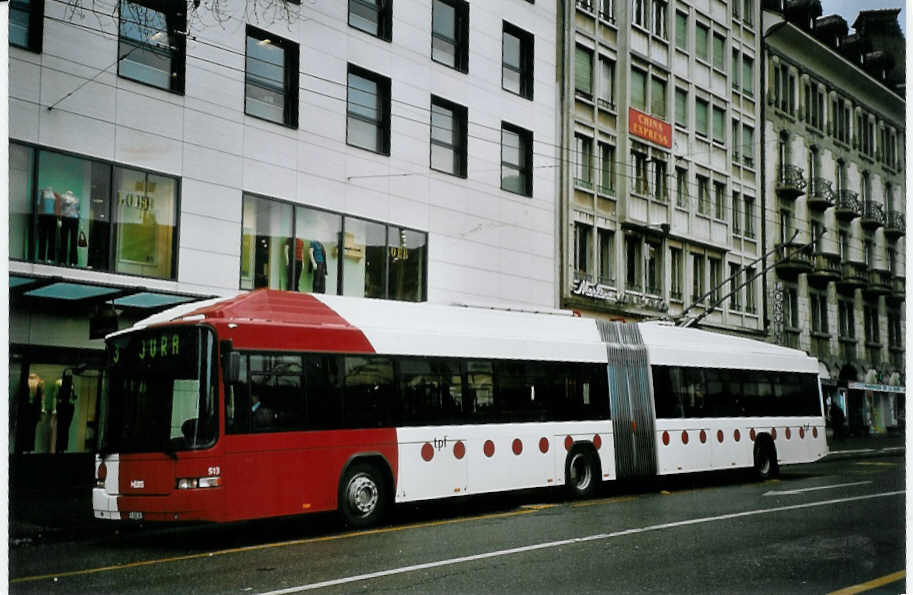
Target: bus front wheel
(581, 473)
(362, 497)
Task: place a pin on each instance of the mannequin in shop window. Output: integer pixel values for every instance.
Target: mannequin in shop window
(47, 210)
(318, 264)
(29, 414)
(69, 227)
(293, 272)
(66, 404)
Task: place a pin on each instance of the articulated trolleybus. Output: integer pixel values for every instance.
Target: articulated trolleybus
(274, 403)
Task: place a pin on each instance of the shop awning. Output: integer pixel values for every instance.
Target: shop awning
(49, 289)
(884, 388)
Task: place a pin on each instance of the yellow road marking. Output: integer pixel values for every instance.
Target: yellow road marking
(265, 546)
(604, 501)
(877, 463)
(872, 584)
(538, 506)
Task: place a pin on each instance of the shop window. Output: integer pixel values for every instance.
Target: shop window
(271, 78)
(448, 137)
(364, 263)
(54, 407)
(315, 256)
(368, 111)
(26, 24)
(517, 61)
(450, 33)
(152, 43)
(516, 159)
(374, 17)
(66, 219)
(266, 233)
(407, 256)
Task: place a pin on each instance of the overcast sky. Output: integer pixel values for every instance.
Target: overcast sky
(849, 9)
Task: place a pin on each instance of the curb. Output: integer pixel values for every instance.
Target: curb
(887, 451)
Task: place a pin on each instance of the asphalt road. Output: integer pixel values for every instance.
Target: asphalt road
(818, 529)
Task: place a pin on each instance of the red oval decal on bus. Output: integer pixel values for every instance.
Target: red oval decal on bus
(802, 433)
(517, 446)
(737, 435)
(489, 448)
(773, 433)
(459, 449)
(597, 441)
(427, 452)
(719, 436)
(788, 433)
(703, 436)
(815, 431)
(684, 436)
(752, 434)
(568, 443)
(543, 445)
(666, 438)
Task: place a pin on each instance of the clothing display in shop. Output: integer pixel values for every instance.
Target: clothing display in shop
(66, 405)
(48, 211)
(293, 272)
(29, 414)
(69, 226)
(318, 263)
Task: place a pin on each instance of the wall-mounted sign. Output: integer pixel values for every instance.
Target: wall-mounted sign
(605, 293)
(649, 128)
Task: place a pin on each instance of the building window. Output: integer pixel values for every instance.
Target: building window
(660, 184)
(750, 304)
(517, 65)
(716, 281)
(895, 329)
(748, 146)
(271, 78)
(747, 75)
(786, 226)
(374, 17)
(748, 12)
(606, 257)
(843, 241)
(701, 41)
(640, 172)
(606, 83)
(516, 159)
(297, 248)
(639, 13)
(735, 292)
(846, 313)
(749, 216)
(583, 172)
(697, 278)
(719, 52)
(872, 333)
(791, 308)
(448, 137)
(681, 187)
(658, 97)
(654, 268)
(819, 312)
(659, 18)
(868, 252)
(583, 248)
(681, 30)
(638, 89)
(703, 195)
(450, 33)
(607, 10)
(719, 198)
(633, 274)
(736, 213)
(368, 110)
(719, 125)
(735, 140)
(151, 43)
(583, 72)
(681, 107)
(26, 24)
(606, 169)
(700, 117)
(675, 291)
(89, 214)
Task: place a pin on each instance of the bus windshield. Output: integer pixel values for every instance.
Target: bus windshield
(161, 391)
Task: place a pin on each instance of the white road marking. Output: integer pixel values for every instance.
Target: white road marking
(812, 489)
(554, 544)
(893, 448)
(848, 452)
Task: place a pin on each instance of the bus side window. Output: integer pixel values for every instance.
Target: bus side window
(321, 388)
(666, 397)
(479, 391)
(693, 392)
(368, 391)
(237, 402)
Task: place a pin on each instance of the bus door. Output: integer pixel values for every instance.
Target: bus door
(630, 398)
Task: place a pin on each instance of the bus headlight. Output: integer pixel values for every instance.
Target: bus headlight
(190, 483)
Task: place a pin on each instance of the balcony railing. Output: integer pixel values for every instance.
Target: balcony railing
(848, 347)
(898, 289)
(793, 259)
(853, 275)
(872, 215)
(821, 346)
(880, 282)
(895, 224)
(586, 5)
(821, 194)
(790, 182)
(791, 338)
(847, 206)
(826, 269)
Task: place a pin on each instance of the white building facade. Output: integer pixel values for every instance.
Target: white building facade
(398, 150)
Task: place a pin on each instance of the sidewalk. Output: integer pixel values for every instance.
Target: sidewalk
(877, 445)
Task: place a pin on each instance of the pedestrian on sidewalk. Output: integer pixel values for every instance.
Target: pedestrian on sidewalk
(837, 420)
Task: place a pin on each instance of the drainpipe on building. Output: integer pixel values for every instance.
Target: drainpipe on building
(763, 178)
(563, 21)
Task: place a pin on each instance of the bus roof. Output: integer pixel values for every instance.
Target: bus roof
(272, 319)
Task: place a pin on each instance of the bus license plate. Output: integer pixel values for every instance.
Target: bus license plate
(135, 516)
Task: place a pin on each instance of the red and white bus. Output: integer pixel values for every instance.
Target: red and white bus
(275, 403)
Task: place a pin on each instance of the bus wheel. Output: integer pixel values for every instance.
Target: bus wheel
(361, 496)
(581, 473)
(765, 459)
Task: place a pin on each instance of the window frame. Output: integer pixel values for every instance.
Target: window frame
(525, 69)
(384, 97)
(460, 117)
(461, 29)
(35, 12)
(290, 75)
(384, 11)
(526, 157)
(177, 44)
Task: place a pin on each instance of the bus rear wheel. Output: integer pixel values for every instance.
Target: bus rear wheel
(765, 459)
(362, 496)
(581, 473)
